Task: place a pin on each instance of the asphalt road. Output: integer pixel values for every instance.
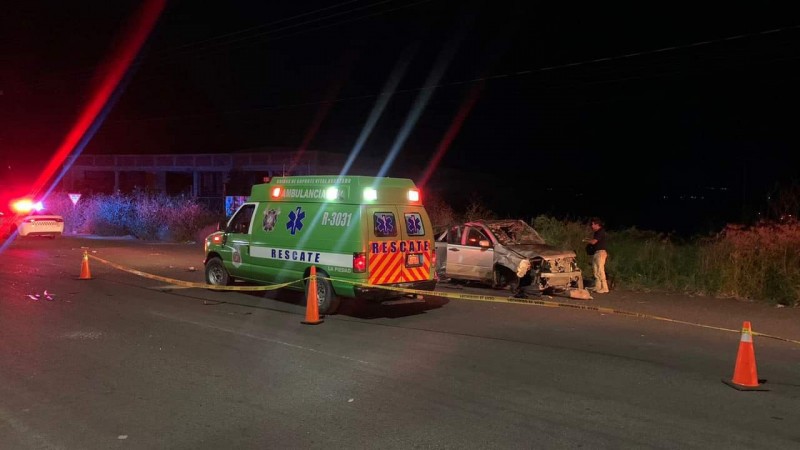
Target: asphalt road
(120, 362)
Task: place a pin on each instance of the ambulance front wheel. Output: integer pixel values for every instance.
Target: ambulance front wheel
(327, 301)
(216, 273)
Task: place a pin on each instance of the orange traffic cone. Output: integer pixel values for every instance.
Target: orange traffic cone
(745, 377)
(85, 273)
(312, 307)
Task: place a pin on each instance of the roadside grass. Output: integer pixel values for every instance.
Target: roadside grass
(760, 262)
(143, 215)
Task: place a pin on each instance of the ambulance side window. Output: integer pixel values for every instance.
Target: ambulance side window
(414, 226)
(385, 224)
(241, 221)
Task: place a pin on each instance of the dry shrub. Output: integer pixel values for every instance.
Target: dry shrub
(758, 262)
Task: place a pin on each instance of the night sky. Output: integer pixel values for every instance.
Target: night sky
(575, 110)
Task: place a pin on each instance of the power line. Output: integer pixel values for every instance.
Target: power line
(494, 77)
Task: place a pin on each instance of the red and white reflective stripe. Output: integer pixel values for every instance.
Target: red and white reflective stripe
(391, 268)
(747, 335)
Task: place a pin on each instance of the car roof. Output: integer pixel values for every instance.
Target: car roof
(496, 221)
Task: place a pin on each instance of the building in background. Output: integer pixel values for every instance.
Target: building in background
(215, 179)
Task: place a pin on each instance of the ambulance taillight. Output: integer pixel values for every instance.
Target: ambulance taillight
(413, 195)
(277, 191)
(359, 262)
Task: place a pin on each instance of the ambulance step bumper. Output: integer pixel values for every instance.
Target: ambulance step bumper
(413, 298)
(382, 295)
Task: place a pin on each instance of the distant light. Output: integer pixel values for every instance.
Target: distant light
(370, 194)
(23, 205)
(332, 193)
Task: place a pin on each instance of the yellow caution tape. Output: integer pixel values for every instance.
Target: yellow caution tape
(189, 284)
(453, 295)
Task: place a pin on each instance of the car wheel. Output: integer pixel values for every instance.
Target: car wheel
(327, 300)
(504, 278)
(217, 274)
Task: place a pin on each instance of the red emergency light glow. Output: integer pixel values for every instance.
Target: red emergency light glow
(277, 192)
(139, 31)
(413, 196)
(359, 262)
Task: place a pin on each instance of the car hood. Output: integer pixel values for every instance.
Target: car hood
(544, 250)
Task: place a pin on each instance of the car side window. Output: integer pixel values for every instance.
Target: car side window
(241, 221)
(454, 236)
(474, 237)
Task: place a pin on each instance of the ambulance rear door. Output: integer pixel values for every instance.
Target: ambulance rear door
(399, 248)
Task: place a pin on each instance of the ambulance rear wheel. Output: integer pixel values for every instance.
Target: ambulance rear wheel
(327, 301)
(216, 274)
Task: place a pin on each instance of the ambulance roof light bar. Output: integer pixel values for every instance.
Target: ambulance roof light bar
(413, 195)
(332, 193)
(277, 192)
(370, 194)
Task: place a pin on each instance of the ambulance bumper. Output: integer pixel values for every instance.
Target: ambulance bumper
(378, 294)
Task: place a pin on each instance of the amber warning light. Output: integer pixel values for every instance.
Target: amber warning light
(26, 206)
(277, 191)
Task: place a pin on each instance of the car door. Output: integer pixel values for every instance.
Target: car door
(467, 259)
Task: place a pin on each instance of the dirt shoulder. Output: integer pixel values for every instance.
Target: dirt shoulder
(719, 312)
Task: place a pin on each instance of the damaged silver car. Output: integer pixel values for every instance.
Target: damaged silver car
(501, 252)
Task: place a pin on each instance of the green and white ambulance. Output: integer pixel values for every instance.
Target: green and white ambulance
(361, 232)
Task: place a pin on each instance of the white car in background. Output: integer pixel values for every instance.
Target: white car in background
(32, 221)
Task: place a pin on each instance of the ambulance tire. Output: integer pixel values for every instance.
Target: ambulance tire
(327, 300)
(216, 274)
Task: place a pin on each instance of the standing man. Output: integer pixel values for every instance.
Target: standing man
(598, 240)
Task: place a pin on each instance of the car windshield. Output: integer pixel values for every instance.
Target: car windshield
(515, 232)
